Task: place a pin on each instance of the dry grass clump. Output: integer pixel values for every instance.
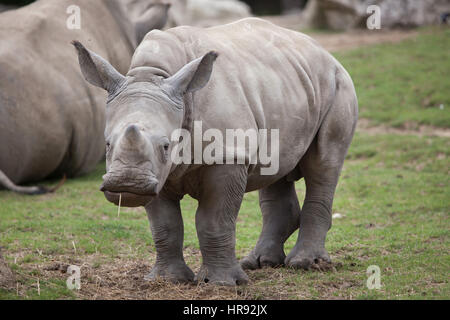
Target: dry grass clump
(7, 278)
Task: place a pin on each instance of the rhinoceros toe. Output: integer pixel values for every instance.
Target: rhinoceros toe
(257, 260)
(174, 272)
(230, 276)
(306, 260)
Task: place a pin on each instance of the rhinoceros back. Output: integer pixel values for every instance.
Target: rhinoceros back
(266, 77)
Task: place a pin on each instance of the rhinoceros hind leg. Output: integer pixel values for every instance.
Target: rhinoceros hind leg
(315, 217)
(321, 167)
(166, 224)
(281, 217)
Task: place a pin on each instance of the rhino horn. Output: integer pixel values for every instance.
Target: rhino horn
(132, 133)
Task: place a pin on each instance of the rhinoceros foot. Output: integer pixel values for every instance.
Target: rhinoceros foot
(264, 256)
(177, 272)
(230, 276)
(313, 258)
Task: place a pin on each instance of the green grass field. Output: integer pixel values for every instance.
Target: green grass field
(404, 84)
(394, 196)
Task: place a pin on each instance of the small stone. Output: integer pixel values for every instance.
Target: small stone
(337, 216)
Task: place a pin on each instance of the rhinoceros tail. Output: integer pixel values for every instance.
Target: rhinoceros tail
(33, 190)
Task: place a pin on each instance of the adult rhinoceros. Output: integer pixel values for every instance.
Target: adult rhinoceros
(51, 121)
(265, 77)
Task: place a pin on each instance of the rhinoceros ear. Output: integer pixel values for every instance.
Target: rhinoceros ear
(98, 71)
(193, 76)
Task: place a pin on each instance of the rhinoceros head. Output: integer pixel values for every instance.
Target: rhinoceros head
(141, 114)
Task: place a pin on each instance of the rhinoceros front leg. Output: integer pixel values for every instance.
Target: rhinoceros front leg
(281, 217)
(220, 198)
(166, 224)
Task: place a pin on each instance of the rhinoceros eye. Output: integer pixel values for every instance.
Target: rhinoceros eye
(164, 145)
(108, 146)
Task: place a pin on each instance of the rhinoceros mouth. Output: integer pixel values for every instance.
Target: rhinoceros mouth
(127, 199)
(145, 186)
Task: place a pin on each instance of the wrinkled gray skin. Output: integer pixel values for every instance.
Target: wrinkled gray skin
(51, 120)
(178, 14)
(265, 77)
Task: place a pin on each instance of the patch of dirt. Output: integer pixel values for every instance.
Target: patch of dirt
(346, 40)
(367, 127)
(7, 278)
(123, 278)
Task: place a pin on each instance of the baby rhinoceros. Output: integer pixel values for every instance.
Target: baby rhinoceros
(249, 75)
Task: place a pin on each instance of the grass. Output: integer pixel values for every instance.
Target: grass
(406, 83)
(394, 196)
